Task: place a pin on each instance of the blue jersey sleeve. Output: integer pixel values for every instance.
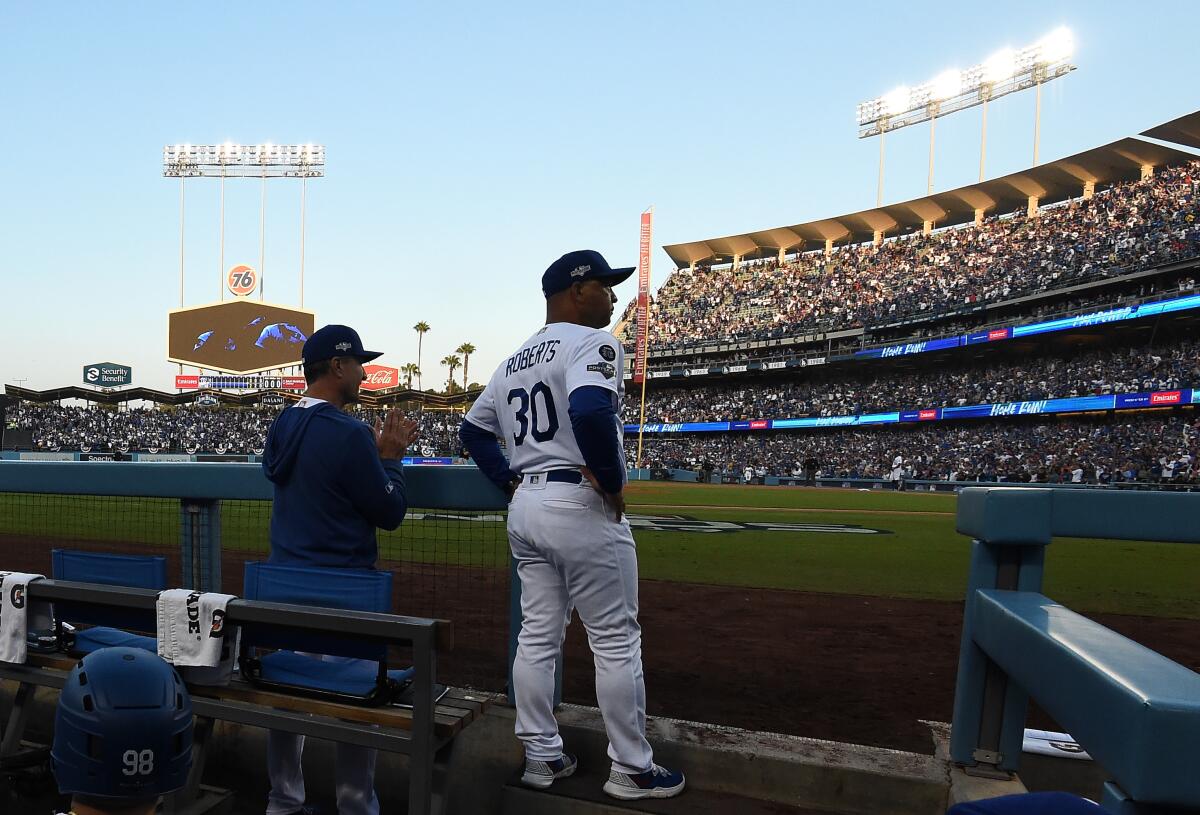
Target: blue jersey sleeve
(485, 451)
(593, 414)
(375, 486)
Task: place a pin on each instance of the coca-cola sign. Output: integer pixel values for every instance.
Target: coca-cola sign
(380, 377)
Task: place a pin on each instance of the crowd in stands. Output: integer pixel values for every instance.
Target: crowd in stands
(188, 429)
(1134, 448)
(57, 427)
(870, 387)
(1164, 287)
(1130, 226)
(1145, 449)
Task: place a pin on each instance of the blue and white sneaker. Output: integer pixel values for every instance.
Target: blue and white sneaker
(541, 774)
(657, 782)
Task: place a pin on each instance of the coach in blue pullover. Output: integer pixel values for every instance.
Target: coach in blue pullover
(336, 480)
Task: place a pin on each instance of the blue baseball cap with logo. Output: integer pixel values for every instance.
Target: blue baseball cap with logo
(576, 267)
(336, 341)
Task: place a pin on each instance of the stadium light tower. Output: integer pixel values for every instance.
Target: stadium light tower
(229, 160)
(1005, 72)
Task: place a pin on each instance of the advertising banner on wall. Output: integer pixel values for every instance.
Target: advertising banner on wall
(643, 298)
(380, 377)
(107, 375)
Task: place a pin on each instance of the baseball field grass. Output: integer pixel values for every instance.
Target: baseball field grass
(879, 543)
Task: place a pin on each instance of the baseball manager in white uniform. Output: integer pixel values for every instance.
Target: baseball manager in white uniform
(556, 403)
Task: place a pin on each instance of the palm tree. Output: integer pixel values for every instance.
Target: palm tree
(420, 328)
(466, 349)
(409, 369)
(452, 362)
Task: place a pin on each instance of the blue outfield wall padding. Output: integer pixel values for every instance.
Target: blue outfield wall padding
(1135, 711)
(445, 487)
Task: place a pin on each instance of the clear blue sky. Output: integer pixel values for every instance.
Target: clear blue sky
(470, 145)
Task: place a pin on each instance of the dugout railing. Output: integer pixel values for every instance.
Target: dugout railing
(1136, 712)
(450, 556)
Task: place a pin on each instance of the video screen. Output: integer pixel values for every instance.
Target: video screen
(240, 336)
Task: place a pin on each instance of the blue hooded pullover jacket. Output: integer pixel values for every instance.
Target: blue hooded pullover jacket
(331, 489)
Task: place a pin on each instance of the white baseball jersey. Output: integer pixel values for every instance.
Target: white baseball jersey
(526, 400)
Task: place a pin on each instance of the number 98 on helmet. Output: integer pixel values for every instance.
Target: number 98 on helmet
(123, 728)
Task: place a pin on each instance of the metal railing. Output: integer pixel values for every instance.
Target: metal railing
(1136, 712)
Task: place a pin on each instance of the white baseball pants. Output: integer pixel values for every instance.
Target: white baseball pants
(354, 771)
(570, 552)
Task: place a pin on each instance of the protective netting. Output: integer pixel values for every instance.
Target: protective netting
(31, 526)
(447, 564)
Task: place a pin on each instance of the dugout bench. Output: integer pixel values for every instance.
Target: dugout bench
(425, 732)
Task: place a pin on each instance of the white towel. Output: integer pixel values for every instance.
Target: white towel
(14, 615)
(191, 627)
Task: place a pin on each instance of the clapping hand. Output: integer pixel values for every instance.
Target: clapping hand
(394, 434)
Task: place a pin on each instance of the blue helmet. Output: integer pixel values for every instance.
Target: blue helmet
(123, 728)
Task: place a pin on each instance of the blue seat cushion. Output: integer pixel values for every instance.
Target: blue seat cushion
(351, 678)
(93, 639)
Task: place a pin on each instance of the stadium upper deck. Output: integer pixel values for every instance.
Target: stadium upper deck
(1075, 176)
(1132, 208)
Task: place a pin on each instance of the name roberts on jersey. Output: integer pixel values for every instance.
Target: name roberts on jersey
(533, 355)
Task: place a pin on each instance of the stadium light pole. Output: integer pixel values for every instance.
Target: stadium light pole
(228, 160)
(879, 188)
(1037, 123)
(1005, 72)
(221, 256)
(262, 240)
(181, 234)
(983, 141)
(303, 196)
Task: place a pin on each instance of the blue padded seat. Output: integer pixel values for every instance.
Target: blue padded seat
(355, 678)
(365, 681)
(1146, 737)
(109, 625)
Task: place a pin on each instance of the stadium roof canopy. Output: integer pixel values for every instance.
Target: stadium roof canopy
(1184, 130)
(1050, 183)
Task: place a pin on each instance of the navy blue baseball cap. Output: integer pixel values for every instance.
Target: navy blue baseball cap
(332, 341)
(576, 267)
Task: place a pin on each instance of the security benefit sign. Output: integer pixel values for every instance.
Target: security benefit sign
(239, 336)
(107, 375)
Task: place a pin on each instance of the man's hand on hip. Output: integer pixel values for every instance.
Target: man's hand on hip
(394, 434)
(614, 500)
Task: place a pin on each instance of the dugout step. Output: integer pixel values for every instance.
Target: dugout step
(581, 794)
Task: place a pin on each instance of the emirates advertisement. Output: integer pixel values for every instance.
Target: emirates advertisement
(380, 377)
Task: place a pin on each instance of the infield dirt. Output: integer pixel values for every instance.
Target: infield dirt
(842, 667)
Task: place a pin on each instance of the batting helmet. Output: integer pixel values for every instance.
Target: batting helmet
(123, 727)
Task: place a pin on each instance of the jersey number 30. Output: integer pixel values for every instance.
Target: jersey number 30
(529, 414)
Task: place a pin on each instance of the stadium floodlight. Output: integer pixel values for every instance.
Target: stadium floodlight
(1007, 71)
(999, 67)
(230, 160)
(946, 85)
(896, 101)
